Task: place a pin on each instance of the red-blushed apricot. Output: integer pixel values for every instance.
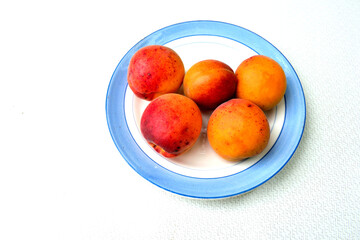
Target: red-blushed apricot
(155, 70)
(261, 80)
(238, 129)
(171, 124)
(210, 83)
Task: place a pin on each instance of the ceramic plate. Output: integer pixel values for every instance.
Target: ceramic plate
(200, 172)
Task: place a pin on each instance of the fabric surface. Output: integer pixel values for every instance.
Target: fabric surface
(61, 176)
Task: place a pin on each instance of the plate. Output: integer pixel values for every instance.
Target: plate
(200, 172)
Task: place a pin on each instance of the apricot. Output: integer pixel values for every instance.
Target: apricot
(155, 70)
(210, 83)
(238, 129)
(261, 80)
(171, 124)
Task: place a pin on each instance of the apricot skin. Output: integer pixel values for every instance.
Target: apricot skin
(261, 80)
(238, 129)
(210, 83)
(155, 70)
(171, 124)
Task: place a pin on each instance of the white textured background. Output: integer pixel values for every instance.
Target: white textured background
(61, 176)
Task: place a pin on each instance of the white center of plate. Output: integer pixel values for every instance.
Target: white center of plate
(201, 161)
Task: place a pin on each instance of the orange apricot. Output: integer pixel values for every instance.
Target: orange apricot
(238, 129)
(210, 83)
(261, 80)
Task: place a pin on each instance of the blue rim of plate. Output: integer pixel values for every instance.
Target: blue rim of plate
(207, 188)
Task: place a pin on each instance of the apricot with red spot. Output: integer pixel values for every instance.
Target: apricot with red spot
(155, 70)
(171, 124)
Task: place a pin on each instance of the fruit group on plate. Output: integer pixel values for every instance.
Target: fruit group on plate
(171, 123)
